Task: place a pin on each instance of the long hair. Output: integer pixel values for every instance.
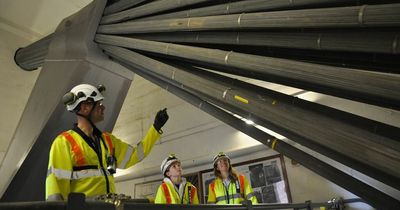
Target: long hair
(233, 174)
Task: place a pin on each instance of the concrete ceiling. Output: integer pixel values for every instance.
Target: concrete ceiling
(39, 17)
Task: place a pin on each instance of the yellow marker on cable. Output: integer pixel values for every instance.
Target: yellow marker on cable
(243, 100)
(273, 144)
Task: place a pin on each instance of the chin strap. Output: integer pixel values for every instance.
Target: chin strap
(111, 159)
(88, 117)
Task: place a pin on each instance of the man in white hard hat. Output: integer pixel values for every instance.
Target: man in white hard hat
(84, 159)
(174, 188)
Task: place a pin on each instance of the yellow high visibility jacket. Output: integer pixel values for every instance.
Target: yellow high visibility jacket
(167, 193)
(235, 193)
(74, 166)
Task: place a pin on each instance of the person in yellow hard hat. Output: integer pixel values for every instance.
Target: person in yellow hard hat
(229, 187)
(84, 159)
(174, 188)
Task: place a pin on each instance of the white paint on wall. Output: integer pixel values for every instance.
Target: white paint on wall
(15, 88)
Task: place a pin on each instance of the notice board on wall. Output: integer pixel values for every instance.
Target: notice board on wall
(147, 189)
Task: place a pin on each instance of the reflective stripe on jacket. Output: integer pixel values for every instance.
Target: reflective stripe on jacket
(218, 194)
(168, 194)
(74, 166)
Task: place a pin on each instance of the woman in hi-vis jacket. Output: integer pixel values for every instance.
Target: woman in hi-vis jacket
(174, 188)
(229, 187)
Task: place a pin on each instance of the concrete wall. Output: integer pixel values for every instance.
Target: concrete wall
(15, 86)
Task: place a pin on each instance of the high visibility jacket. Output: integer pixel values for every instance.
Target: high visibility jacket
(74, 166)
(167, 193)
(235, 193)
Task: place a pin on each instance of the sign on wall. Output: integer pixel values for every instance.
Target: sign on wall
(147, 190)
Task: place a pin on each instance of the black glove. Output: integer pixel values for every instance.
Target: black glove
(160, 119)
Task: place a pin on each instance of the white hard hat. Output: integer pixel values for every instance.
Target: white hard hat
(167, 162)
(219, 156)
(82, 92)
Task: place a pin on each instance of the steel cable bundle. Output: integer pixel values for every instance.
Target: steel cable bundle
(323, 46)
